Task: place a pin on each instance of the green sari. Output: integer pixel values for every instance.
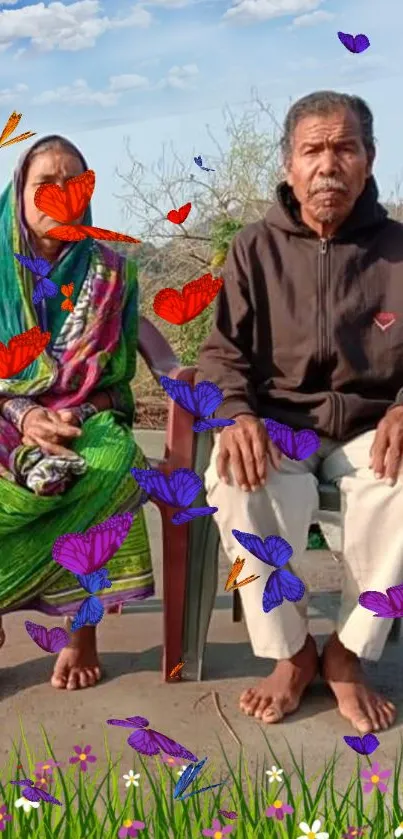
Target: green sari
(92, 349)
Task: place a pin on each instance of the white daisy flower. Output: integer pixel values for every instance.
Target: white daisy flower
(312, 832)
(26, 805)
(181, 771)
(132, 780)
(274, 774)
(399, 830)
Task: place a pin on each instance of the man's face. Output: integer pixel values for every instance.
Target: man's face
(327, 168)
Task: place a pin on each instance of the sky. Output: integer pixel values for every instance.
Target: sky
(157, 71)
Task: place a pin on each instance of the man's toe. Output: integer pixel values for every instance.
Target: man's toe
(273, 713)
(249, 702)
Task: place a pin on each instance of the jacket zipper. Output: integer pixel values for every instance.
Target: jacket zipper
(324, 326)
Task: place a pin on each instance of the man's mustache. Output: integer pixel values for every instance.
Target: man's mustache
(327, 183)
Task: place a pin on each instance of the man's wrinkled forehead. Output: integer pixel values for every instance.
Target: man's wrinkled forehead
(329, 129)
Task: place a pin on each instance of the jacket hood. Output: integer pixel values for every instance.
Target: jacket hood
(286, 212)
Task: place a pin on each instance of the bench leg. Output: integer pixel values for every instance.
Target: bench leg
(175, 541)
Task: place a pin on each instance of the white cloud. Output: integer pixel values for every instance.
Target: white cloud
(168, 4)
(9, 94)
(65, 27)
(257, 11)
(313, 18)
(79, 93)
(179, 77)
(128, 81)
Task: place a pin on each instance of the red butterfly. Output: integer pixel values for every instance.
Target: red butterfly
(69, 204)
(175, 672)
(180, 307)
(67, 290)
(179, 216)
(21, 351)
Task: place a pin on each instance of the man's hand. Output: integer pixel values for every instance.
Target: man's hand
(48, 430)
(387, 450)
(245, 447)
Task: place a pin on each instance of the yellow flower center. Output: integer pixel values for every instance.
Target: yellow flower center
(375, 779)
(354, 833)
(43, 780)
(171, 760)
(311, 835)
(83, 756)
(127, 823)
(45, 767)
(1, 817)
(218, 834)
(278, 804)
(401, 825)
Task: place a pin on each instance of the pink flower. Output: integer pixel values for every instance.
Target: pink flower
(130, 828)
(278, 810)
(83, 757)
(4, 817)
(373, 776)
(171, 761)
(46, 767)
(217, 831)
(354, 832)
(42, 780)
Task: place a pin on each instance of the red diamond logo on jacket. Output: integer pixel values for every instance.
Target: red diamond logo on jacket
(384, 320)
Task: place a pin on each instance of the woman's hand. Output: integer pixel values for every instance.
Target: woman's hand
(49, 430)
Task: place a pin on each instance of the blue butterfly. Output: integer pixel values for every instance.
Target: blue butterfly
(178, 490)
(91, 610)
(201, 400)
(40, 267)
(363, 745)
(188, 776)
(282, 584)
(198, 161)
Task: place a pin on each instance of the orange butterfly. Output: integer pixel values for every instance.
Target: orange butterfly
(236, 569)
(67, 290)
(8, 129)
(21, 351)
(68, 204)
(176, 670)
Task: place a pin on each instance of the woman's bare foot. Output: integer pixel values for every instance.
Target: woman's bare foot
(281, 692)
(366, 710)
(78, 665)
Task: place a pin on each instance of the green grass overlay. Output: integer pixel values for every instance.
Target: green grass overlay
(95, 803)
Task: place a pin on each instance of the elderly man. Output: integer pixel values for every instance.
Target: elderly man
(309, 332)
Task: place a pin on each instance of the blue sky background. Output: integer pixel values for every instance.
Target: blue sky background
(157, 72)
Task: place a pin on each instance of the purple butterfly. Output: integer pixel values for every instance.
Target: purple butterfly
(33, 793)
(228, 814)
(84, 553)
(389, 605)
(282, 584)
(297, 445)
(40, 268)
(178, 490)
(363, 745)
(201, 401)
(151, 742)
(50, 640)
(357, 43)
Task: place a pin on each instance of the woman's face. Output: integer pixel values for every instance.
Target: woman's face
(54, 166)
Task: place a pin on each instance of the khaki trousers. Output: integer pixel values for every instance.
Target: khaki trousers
(372, 541)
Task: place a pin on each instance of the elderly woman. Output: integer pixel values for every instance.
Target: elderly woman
(66, 445)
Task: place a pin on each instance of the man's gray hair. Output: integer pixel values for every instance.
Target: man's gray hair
(325, 102)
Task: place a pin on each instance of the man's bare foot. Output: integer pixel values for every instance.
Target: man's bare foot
(366, 710)
(78, 665)
(281, 692)
(2, 633)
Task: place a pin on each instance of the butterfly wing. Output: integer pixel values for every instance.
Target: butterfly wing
(228, 814)
(68, 204)
(282, 436)
(198, 791)
(246, 581)
(44, 288)
(107, 235)
(198, 161)
(171, 747)
(207, 398)
(347, 41)
(395, 597)
(188, 776)
(10, 126)
(253, 544)
(18, 139)
(209, 424)
(185, 486)
(96, 581)
(278, 550)
(181, 392)
(155, 484)
(192, 513)
(292, 588)
(83, 553)
(123, 723)
(168, 305)
(46, 796)
(377, 602)
(272, 595)
(198, 294)
(176, 670)
(143, 742)
(90, 613)
(306, 444)
(38, 266)
(361, 43)
(31, 793)
(67, 233)
(52, 641)
(363, 745)
(236, 569)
